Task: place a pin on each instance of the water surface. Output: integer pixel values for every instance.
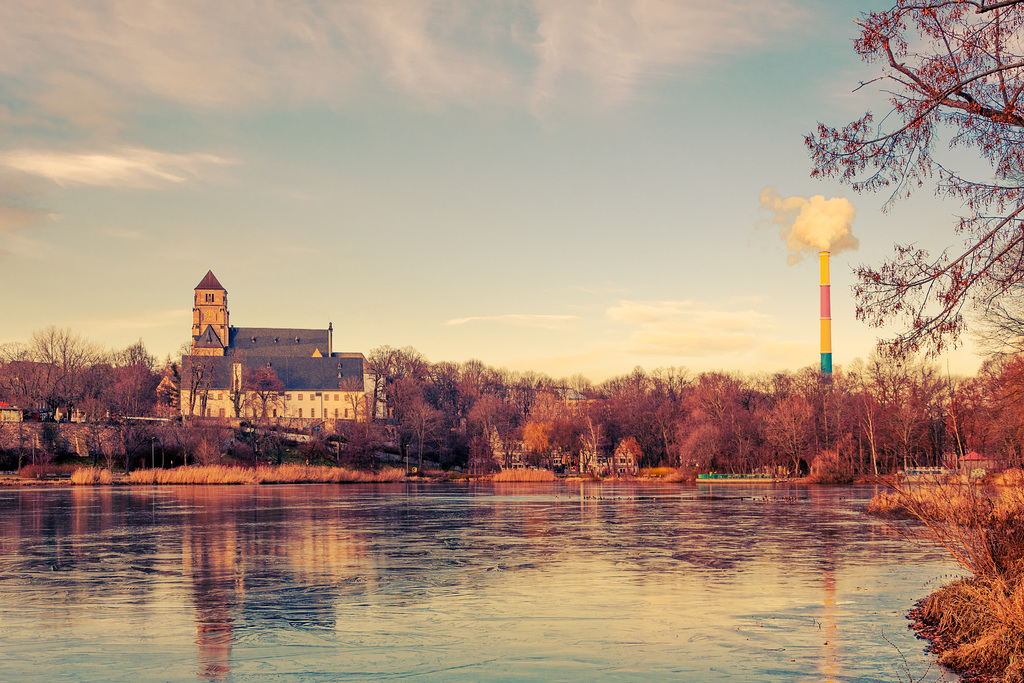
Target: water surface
(458, 582)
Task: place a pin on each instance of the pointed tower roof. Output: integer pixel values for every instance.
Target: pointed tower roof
(209, 282)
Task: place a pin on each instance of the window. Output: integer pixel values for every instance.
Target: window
(325, 413)
(221, 413)
(287, 397)
(300, 396)
(335, 413)
(300, 412)
(209, 298)
(346, 413)
(335, 397)
(312, 397)
(275, 412)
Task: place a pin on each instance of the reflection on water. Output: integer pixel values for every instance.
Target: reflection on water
(457, 582)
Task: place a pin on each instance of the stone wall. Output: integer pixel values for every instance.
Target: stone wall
(59, 438)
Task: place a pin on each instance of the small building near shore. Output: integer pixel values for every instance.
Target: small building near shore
(975, 461)
(9, 413)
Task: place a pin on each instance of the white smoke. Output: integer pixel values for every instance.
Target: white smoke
(811, 225)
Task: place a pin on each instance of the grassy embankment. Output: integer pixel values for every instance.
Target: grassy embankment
(219, 474)
(976, 624)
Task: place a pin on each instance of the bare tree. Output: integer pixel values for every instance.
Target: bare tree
(200, 374)
(953, 69)
(262, 389)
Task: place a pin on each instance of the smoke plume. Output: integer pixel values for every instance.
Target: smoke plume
(811, 225)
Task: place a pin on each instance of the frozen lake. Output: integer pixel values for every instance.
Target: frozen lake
(458, 582)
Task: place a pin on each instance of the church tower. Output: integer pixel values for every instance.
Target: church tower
(210, 330)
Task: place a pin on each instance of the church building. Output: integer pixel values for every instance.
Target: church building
(284, 375)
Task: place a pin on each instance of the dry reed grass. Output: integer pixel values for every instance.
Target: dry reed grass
(656, 472)
(976, 622)
(680, 475)
(282, 474)
(1012, 477)
(672, 475)
(980, 624)
(91, 475)
(523, 476)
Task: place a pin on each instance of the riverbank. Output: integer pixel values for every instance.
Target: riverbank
(202, 475)
(976, 624)
(295, 473)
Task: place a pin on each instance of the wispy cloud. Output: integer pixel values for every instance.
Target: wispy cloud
(18, 214)
(689, 329)
(550, 322)
(91, 64)
(614, 48)
(126, 167)
(147, 321)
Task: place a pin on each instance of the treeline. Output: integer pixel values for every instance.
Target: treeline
(59, 372)
(872, 416)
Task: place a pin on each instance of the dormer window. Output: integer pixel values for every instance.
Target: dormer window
(254, 340)
(296, 340)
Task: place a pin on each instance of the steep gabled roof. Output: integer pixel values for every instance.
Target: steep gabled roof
(209, 282)
(209, 339)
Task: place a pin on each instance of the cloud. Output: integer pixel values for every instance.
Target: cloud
(18, 214)
(152, 320)
(126, 167)
(549, 322)
(688, 329)
(19, 217)
(91, 64)
(811, 225)
(615, 47)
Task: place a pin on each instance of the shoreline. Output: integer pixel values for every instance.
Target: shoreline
(153, 476)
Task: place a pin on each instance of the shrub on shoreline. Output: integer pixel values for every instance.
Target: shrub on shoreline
(975, 623)
(47, 471)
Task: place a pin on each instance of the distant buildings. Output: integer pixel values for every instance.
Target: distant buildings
(9, 413)
(280, 374)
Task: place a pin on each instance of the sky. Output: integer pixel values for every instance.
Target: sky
(562, 186)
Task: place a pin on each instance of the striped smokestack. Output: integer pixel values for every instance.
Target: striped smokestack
(826, 316)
